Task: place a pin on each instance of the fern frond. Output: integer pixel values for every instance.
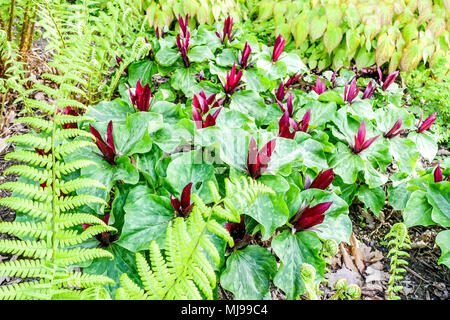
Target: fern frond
(78, 183)
(28, 190)
(23, 268)
(186, 272)
(65, 149)
(33, 208)
(66, 238)
(37, 230)
(66, 257)
(19, 291)
(399, 240)
(31, 173)
(26, 248)
(37, 123)
(72, 202)
(31, 158)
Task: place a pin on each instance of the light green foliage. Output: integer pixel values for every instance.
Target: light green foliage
(399, 241)
(431, 94)
(185, 272)
(398, 33)
(161, 13)
(47, 201)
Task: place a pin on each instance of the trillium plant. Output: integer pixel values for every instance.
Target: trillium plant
(212, 105)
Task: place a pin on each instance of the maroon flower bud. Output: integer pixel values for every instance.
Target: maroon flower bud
(183, 25)
(243, 62)
(323, 180)
(200, 76)
(320, 86)
(108, 149)
(333, 78)
(278, 48)
(306, 218)
(281, 92)
(200, 106)
(284, 126)
(360, 143)
(183, 46)
(391, 134)
(289, 104)
(232, 80)
(368, 93)
(141, 97)
(292, 79)
(183, 207)
(227, 28)
(258, 161)
(350, 93)
(427, 123)
(237, 230)
(389, 80)
(305, 121)
(438, 174)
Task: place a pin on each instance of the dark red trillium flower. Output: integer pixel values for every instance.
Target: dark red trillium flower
(200, 76)
(391, 134)
(322, 181)
(333, 78)
(307, 217)
(183, 25)
(105, 238)
(426, 124)
(108, 149)
(289, 105)
(360, 143)
(258, 161)
(183, 45)
(320, 86)
(389, 80)
(159, 34)
(351, 92)
(141, 97)
(278, 47)
(227, 27)
(368, 93)
(183, 207)
(292, 79)
(438, 177)
(281, 92)
(119, 61)
(284, 127)
(72, 112)
(237, 230)
(200, 107)
(243, 61)
(232, 80)
(285, 123)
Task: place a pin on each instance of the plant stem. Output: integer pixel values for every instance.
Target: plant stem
(11, 20)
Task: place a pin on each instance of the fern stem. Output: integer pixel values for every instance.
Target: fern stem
(117, 78)
(11, 20)
(50, 12)
(3, 108)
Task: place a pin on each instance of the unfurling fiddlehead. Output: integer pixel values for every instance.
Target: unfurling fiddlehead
(399, 240)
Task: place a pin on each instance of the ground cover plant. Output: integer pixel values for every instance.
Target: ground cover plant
(197, 160)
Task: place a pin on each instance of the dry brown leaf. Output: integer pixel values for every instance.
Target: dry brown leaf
(352, 277)
(2, 145)
(346, 257)
(356, 253)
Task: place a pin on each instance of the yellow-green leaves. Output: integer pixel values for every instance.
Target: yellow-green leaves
(332, 37)
(385, 48)
(317, 27)
(411, 56)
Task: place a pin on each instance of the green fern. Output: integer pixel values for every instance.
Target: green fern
(399, 240)
(50, 198)
(185, 272)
